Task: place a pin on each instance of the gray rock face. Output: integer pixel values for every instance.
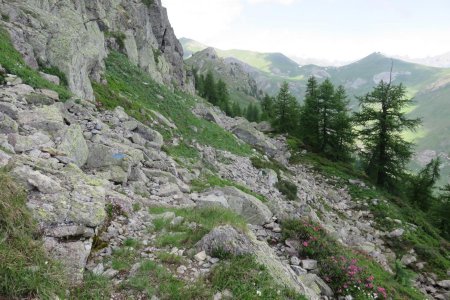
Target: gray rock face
(74, 145)
(73, 255)
(252, 209)
(73, 36)
(250, 135)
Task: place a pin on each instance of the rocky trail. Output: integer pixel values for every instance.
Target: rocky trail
(111, 200)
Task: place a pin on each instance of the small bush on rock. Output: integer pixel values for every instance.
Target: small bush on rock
(287, 188)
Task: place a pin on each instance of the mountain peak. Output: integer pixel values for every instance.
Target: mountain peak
(209, 52)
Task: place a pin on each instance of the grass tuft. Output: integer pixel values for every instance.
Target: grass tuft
(25, 269)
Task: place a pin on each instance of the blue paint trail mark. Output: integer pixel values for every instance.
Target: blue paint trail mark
(119, 156)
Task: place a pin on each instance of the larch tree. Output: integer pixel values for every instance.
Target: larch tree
(285, 110)
(382, 120)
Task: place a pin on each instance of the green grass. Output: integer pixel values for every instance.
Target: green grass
(133, 89)
(186, 236)
(93, 288)
(183, 150)
(209, 181)
(13, 62)
(246, 279)
(260, 163)
(124, 257)
(25, 269)
(169, 258)
(154, 280)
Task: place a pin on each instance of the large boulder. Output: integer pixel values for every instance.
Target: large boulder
(225, 239)
(7, 125)
(316, 284)
(72, 254)
(26, 143)
(243, 204)
(153, 138)
(45, 118)
(36, 180)
(74, 145)
(246, 132)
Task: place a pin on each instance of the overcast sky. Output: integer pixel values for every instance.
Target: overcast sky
(327, 29)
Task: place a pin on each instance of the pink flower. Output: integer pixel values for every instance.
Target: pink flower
(371, 278)
(305, 244)
(369, 286)
(382, 291)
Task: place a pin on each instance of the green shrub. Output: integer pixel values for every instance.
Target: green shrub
(148, 2)
(52, 70)
(287, 188)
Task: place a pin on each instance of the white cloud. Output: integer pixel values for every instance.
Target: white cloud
(202, 19)
(284, 2)
(228, 24)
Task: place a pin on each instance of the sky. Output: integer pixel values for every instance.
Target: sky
(336, 30)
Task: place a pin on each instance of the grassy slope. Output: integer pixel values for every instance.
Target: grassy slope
(13, 62)
(133, 89)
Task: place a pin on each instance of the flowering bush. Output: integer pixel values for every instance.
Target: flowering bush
(346, 277)
(314, 243)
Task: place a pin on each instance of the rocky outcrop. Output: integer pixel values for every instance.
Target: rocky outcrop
(75, 36)
(226, 239)
(70, 158)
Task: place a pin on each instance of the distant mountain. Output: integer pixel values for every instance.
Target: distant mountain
(302, 61)
(238, 76)
(440, 61)
(271, 63)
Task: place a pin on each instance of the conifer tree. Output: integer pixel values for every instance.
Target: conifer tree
(209, 88)
(309, 115)
(267, 104)
(326, 97)
(236, 110)
(223, 96)
(422, 184)
(442, 211)
(341, 137)
(285, 110)
(381, 122)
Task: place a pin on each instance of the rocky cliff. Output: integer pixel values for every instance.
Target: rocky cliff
(76, 35)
